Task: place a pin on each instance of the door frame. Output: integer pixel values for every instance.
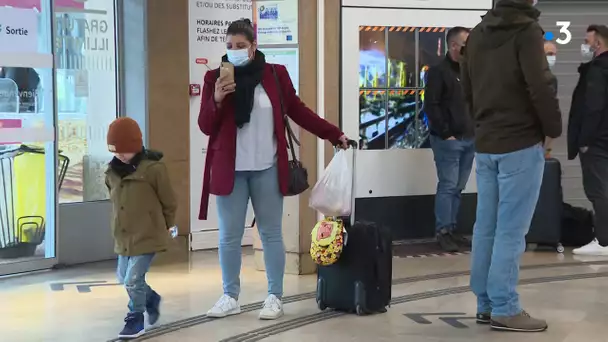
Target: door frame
(46, 134)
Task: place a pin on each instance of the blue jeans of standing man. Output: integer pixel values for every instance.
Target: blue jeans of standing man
(131, 271)
(508, 186)
(454, 161)
(262, 187)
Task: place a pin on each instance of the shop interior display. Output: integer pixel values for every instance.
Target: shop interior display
(393, 63)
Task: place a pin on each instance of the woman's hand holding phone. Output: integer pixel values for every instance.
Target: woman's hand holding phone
(223, 86)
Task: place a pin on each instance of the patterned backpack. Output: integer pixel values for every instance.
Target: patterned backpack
(328, 240)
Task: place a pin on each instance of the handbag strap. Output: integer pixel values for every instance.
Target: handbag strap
(290, 135)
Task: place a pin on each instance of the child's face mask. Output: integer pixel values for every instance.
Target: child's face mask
(124, 157)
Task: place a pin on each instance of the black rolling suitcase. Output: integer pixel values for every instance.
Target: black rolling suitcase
(360, 281)
(546, 226)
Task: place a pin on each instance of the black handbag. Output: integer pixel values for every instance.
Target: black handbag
(298, 175)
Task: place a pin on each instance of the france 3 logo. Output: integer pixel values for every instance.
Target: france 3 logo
(564, 35)
(269, 12)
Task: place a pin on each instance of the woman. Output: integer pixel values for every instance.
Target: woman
(247, 159)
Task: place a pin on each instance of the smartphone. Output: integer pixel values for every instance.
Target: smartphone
(227, 72)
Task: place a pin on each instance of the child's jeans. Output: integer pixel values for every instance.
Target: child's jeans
(131, 272)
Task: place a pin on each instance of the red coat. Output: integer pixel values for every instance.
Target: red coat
(220, 126)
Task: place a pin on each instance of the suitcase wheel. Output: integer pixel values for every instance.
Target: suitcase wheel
(321, 305)
(560, 248)
(359, 310)
(360, 302)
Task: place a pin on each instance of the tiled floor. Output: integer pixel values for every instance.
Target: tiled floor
(570, 293)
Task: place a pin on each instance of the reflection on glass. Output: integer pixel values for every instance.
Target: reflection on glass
(85, 58)
(372, 57)
(402, 57)
(372, 119)
(19, 90)
(432, 48)
(401, 118)
(422, 124)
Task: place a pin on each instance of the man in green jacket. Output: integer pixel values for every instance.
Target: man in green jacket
(505, 81)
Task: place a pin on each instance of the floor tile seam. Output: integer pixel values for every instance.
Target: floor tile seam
(202, 319)
(271, 330)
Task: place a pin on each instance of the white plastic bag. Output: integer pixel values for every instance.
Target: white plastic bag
(332, 194)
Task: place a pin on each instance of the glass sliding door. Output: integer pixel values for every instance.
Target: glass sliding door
(31, 170)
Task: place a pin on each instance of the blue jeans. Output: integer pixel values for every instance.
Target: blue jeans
(453, 161)
(262, 187)
(508, 186)
(131, 271)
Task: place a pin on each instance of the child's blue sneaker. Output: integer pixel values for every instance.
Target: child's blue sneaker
(134, 326)
(153, 307)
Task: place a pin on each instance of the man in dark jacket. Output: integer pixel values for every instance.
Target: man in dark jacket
(551, 53)
(588, 132)
(504, 78)
(451, 138)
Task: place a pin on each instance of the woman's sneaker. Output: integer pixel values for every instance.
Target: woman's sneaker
(272, 309)
(519, 323)
(225, 306)
(134, 326)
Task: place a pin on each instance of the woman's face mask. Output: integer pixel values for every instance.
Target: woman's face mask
(551, 60)
(239, 49)
(238, 57)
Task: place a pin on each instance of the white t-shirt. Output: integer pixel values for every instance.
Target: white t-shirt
(256, 143)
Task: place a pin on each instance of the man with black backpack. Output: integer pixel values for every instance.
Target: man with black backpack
(588, 132)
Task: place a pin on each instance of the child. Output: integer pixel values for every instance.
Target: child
(143, 209)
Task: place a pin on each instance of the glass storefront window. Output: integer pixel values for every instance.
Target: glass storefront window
(85, 60)
(28, 163)
(65, 81)
(393, 62)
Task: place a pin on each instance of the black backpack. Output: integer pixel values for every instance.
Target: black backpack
(577, 226)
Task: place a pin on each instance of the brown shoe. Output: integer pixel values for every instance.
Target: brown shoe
(520, 323)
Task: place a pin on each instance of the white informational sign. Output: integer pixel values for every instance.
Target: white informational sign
(287, 57)
(432, 4)
(208, 22)
(276, 21)
(18, 30)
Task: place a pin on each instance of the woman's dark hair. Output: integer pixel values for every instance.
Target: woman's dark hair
(242, 26)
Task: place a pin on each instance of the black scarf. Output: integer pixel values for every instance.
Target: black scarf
(246, 77)
(123, 169)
